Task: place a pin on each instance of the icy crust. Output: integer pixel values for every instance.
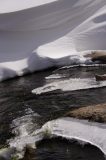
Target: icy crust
(36, 35)
(80, 130)
(71, 84)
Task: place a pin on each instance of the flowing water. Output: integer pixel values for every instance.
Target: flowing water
(62, 149)
(18, 104)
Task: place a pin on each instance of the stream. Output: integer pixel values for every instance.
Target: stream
(18, 104)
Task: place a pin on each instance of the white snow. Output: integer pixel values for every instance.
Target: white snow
(15, 5)
(38, 34)
(35, 35)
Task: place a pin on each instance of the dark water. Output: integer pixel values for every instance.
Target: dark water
(16, 98)
(62, 149)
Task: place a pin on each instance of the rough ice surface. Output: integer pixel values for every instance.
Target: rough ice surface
(35, 35)
(71, 84)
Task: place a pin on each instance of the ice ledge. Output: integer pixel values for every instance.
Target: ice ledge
(81, 130)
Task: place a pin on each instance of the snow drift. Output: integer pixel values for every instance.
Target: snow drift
(35, 35)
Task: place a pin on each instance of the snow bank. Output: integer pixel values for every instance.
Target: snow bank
(35, 35)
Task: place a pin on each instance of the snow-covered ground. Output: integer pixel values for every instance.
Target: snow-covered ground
(38, 34)
(35, 35)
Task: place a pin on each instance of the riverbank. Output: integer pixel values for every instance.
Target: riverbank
(96, 113)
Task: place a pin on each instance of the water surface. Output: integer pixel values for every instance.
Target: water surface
(16, 100)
